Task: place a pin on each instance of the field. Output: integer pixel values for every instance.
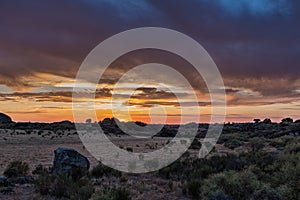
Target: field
(253, 160)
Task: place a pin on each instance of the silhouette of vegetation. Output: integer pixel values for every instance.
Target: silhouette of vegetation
(16, 169)
(112, 194)
(101, 170)
(62, 186)
(265, 166)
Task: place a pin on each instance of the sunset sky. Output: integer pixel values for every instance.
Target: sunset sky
(254, 43)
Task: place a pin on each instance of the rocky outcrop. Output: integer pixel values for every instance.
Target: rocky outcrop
(5, 118)
(70, 162)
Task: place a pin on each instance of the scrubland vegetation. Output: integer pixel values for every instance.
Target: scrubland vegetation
(257, 160)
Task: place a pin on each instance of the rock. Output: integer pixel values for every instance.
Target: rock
(7, 190)
(3, 181)
(21, 180)
(70, 162)
(5, 118)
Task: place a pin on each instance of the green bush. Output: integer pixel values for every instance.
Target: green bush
(194, 188)
(101, 170)
(16, 169)
(220, 195)
(292, 148)
(238, 185)
(282, 141)
(60, 186)
(40, 169)
(257, 144)
(286, 172)
(232, 144)
(266, 194)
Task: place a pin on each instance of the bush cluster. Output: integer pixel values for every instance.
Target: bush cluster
(16, 169)
(61, 186)
(256, 174)
(112, 194)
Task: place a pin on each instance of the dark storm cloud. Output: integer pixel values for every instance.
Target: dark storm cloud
(55, 36)
(149, 104)
(248, 39)
(58, 96)
(130, 60)
(250, 43)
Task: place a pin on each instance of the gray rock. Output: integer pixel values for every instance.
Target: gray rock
(70, 162)
(7, 190)
(3, 181)
(21, 180)
(5, 118)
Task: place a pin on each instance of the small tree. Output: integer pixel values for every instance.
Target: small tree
(88, 121)
(256, 120)
(287, 120)
(267, 121)
(257, 144)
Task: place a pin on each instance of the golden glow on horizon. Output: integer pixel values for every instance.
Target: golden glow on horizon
(48, 98)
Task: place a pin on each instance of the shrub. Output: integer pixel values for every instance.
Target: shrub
(220, 195)
(112, 194)
(292, 148)
(261, 159)
(101, 170)
(287, 120)
(232, 144)
(196, 144)
(228, 162)
(223, 139)
(238, 185)
(257, 144)
(256, 120)
(40, 169)
(121, 194)
(266, 194)
(286, 172)
(130, 149)
(193, 188)
(267, 121)
(16, 169)
(62, 186)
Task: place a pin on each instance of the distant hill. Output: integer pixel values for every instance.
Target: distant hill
(5, 118)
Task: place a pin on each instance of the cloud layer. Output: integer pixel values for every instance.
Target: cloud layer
(255, 44)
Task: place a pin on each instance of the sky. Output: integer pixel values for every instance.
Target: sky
(254, 43)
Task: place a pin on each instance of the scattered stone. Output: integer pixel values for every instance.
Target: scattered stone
(70, 162)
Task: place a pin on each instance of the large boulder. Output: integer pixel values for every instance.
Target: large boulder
(5, 118)
(70, 162)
